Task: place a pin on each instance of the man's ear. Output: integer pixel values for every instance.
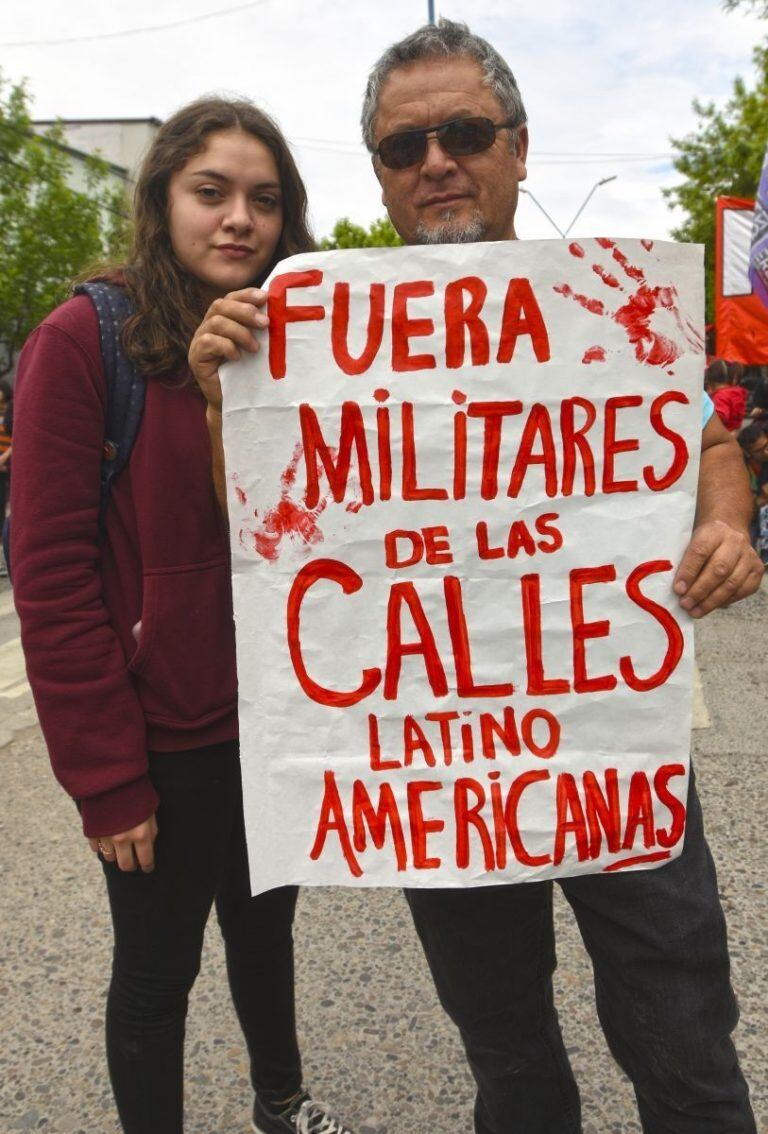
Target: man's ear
(521, 150)
(377, 171)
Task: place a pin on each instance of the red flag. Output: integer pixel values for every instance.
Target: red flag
(740, 317)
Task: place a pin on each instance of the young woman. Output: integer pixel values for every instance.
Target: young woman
(128, 633)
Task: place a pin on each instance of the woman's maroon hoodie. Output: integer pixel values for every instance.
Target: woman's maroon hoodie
(129, 644)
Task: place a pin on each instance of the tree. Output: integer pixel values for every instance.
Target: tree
(345, 234)
(722, 157)
(50, 231)
(761, 6)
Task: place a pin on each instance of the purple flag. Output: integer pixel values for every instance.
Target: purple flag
(758, 253)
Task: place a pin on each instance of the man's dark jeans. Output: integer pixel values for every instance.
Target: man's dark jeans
(658, 946)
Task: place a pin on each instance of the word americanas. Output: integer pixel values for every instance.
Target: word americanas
(485, 815)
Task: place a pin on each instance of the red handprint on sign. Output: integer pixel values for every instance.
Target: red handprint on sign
(650, 316)
(288, 517)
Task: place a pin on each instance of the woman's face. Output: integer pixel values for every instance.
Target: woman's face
(225, 211)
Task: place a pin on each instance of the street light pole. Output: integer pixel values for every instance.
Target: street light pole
(584, 204)
(539, 205)
(431, 8)
(587, 198)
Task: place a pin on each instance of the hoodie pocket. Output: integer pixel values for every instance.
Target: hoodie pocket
(184, 664)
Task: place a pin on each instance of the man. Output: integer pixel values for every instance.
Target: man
(754, 441)
(656, 938)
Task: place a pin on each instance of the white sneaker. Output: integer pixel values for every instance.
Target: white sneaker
(302, 1116)
(315, 1118)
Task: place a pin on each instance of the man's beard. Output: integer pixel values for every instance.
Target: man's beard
(452, 231)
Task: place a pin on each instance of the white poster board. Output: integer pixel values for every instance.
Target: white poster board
(459, 481)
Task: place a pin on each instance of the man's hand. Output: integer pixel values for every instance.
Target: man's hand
(719, 565)
(227, 330)
(129, 849)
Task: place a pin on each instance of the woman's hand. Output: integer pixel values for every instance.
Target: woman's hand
(227, 329)
(129, 849)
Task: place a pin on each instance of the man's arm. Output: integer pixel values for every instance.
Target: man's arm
(719, 565)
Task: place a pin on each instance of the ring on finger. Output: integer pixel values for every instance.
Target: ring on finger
(106, 851)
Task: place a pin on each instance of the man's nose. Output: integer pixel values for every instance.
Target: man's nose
(437, 162)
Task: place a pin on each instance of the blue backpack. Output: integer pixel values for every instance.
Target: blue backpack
(126, 388)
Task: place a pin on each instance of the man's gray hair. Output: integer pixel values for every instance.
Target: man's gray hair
(445, 39)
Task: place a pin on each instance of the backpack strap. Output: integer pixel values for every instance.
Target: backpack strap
(126, 386)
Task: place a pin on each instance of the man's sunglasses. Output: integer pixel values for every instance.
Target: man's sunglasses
(460, 137)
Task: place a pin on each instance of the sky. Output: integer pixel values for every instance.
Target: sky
(605, 83)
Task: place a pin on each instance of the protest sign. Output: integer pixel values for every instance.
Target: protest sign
(459, 481)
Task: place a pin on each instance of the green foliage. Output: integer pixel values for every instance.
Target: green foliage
(722, 158)
(345, 234)
(50, 231)
(759, 6)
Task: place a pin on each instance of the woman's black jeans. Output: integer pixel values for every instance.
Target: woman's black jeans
(159, 920)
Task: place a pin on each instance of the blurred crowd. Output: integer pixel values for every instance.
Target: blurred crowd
(740, 397)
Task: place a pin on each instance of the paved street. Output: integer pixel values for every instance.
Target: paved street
(376, 1043)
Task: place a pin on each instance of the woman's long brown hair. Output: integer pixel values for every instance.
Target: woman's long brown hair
(168, 303)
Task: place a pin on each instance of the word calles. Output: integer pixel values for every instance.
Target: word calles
(407, 616)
